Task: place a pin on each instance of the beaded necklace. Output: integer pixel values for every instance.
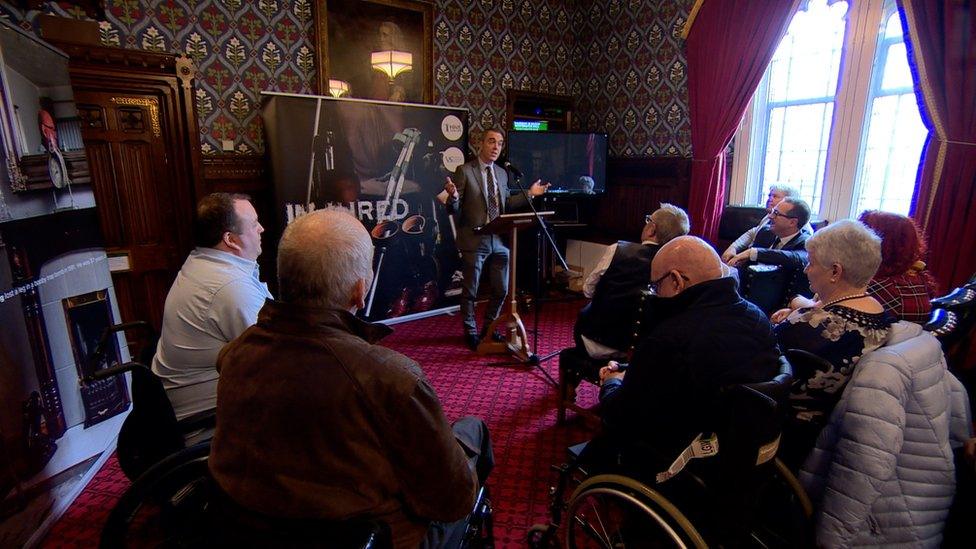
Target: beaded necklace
(845, 298)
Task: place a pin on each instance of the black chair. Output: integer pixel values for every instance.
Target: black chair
(953, 315)
(736, 220)
(741, 496)
(151, 431)
(576, 366)
(177, 504)
(765, 286)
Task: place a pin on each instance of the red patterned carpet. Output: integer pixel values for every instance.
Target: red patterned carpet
(516, 401)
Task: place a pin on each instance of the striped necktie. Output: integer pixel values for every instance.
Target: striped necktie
(492, 194)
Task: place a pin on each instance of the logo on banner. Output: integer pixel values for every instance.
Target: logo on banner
(378, 211)
(452, 158)
(452, 128)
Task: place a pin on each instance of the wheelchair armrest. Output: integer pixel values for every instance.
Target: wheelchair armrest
(941, 323)
(103, 343)
(777, 388)
(113, 371)
(205, 419)
(960, 297)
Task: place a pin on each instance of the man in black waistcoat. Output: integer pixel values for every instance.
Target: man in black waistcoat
(605, 326)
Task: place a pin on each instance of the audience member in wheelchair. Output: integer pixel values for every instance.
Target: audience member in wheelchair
(902, 284)
(782, 244)
(882, 473)
(776, 194)
(706, 338)
(317, 421)
(840, 324)
(605, 325)
(215, 297)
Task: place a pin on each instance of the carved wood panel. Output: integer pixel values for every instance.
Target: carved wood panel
(133, 186)
(141, 132)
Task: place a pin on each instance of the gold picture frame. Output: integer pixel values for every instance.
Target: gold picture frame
(348, 31)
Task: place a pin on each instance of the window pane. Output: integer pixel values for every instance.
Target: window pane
(896, 71)
(806, 63)
(893, 26)
(796, 149)
(796, 110)
(894, 135)
(891, 155)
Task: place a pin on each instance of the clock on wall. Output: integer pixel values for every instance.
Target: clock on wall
(57, 169)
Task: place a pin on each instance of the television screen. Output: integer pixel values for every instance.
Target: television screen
(575, 163)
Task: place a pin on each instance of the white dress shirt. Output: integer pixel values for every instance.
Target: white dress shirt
(215, 297)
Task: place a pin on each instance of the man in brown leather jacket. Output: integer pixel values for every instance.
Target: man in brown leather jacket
(314, 420)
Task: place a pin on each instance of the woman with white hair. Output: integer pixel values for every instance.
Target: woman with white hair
(840, 325)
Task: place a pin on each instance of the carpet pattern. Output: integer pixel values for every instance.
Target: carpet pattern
(515, 401)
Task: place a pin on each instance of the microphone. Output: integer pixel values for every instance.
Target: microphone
(511, 167)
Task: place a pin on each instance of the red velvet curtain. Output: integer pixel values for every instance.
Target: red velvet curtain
(941, 38)
(729, 45)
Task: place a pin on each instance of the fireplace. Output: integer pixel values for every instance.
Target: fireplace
(87, 316)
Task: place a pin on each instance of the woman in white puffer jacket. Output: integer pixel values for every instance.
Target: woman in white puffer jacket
(882, 472)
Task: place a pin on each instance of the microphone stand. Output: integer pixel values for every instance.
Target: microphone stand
(534, 359)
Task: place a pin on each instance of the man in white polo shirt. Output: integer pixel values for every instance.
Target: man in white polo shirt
(216, 296)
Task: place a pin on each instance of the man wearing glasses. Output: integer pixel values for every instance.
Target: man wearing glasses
(784, 245)
(605, 326)
(776, 195)
(786, 222)
(705, 337)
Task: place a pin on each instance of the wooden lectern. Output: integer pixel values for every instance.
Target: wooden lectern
(508, 322)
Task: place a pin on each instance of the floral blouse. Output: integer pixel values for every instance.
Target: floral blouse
(841, 336)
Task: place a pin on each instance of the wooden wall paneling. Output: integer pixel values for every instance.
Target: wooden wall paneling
(143, 146)
(636, 187)
(248, 174)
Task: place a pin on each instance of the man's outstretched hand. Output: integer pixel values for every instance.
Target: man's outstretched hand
(538, 188)
(450, 188)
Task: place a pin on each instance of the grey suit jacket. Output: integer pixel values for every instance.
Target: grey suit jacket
(471, 206)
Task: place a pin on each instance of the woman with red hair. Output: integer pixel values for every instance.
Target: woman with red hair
(902, 284)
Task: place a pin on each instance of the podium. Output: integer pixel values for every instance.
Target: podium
(509, 323)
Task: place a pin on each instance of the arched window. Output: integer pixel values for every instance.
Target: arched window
(835, 114)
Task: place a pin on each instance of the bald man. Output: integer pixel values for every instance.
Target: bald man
(705, 337)
(315, 420)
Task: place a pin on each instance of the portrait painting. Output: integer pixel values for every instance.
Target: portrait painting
(375, 49)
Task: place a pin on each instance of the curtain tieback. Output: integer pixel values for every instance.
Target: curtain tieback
(957, 142)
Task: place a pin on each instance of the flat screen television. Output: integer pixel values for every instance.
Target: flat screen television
(575, 163)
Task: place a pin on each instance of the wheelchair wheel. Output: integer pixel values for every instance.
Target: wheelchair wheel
(785, 511)
(166, 506)
(610, 511)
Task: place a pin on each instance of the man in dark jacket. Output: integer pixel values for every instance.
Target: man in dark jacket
(705, 337)
(316, 421)
(782, 243)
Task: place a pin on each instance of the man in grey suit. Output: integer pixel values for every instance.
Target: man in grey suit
(481, 194)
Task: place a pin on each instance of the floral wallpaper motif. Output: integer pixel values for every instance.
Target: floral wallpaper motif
(240, 47)
(482, 47)
(633, 81)
(621, 60)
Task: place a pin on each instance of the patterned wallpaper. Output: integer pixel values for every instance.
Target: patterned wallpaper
(241, 47)
(621, 59)
(482, 47)
(632, 80)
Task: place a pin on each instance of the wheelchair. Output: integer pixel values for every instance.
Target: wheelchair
(176, 503)
(151, 431)
(740, 496)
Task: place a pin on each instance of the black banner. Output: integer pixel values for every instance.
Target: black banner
(385, 163)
